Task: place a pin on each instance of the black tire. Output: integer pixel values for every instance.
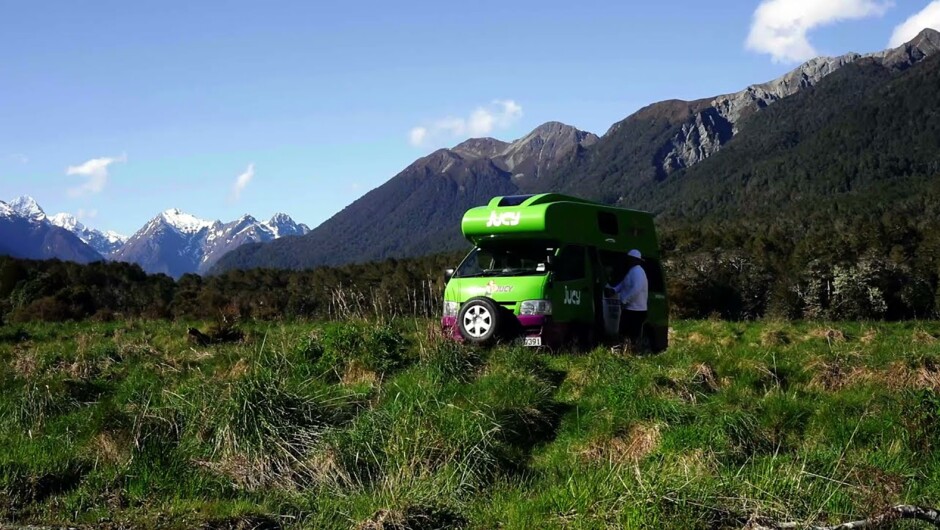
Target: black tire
(480, 320)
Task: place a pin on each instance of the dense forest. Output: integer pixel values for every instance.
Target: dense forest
(59, 291)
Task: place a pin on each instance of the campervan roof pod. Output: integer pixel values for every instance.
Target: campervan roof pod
(562, 219)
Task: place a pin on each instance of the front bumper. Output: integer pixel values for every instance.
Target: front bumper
(550, 333)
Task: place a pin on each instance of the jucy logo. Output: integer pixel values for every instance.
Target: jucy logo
(506, 218)
(492, 288)
(572, 297)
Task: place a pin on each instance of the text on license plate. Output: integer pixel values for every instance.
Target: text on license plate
(533, 341)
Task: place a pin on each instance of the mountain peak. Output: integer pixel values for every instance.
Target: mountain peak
(281, 218)
(543, 147)
(282, 225)
(28, 207)
(103, 243)
(925, 44)
(67, 221)
(927, 34)
(184, 222)
(553, 128)
(480, 147)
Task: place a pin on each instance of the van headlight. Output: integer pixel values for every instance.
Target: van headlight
(451, 308)
(536, 307)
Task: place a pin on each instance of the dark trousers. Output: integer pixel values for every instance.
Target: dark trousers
(631, 324)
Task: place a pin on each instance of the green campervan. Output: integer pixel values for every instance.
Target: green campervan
(539, 268)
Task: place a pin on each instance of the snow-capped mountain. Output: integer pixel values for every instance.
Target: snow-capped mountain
(105, 243)
(26, 232)
(173, 243)
(176, 243)
(282, 225)
(28, 207)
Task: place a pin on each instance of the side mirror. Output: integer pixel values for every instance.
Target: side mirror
(448, 274)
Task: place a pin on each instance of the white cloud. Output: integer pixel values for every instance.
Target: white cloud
(242, 181)
(500, 114)
(19, 157)
(417, 135)
(95, 172)
(780, 27)
(86, 215)
(928, 17)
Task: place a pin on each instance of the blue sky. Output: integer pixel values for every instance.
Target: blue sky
(119, 110)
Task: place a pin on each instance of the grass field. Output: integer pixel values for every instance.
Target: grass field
(369, 425)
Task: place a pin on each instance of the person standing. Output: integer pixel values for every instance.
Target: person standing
(634, 293)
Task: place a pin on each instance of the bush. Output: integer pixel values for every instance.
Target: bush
(379, 348)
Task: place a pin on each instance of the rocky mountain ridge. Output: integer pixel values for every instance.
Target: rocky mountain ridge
(712, 125)
(177, 243)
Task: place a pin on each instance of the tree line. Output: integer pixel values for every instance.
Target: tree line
(875, 270)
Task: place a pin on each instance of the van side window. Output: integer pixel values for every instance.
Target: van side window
(607, 223)
(570, 264)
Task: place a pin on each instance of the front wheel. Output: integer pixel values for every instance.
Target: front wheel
(479, 320)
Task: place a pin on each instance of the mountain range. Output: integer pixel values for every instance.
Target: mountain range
(808, 138)
(176, 243)
(172, 243)
(26, 232)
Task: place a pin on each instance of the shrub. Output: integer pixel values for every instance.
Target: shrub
(379, 348)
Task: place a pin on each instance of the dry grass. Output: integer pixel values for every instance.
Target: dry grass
(238, 370)
(920, 336)
(703, 376)
(111, 448)
(356, 373)
(836, 374)
(691, 382)
(774, 337)
(831, 335)
(24, 363)
(640, 440)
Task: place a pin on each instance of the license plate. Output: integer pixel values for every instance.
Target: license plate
(533, 341)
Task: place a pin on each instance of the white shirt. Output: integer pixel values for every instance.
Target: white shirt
(633, 290)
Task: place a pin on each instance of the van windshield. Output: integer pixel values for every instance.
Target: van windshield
(505, 261)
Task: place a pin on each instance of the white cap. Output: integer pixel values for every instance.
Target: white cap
(635, 254)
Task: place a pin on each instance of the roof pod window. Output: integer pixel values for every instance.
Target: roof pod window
(513, 200)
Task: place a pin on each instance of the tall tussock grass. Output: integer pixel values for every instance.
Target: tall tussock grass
(386, 424)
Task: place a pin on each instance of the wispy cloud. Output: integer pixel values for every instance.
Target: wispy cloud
(19, 157)
(928, 17)
(500, 114)
(241, 182)
(86, 215)
(780, 27)
(95, 172)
